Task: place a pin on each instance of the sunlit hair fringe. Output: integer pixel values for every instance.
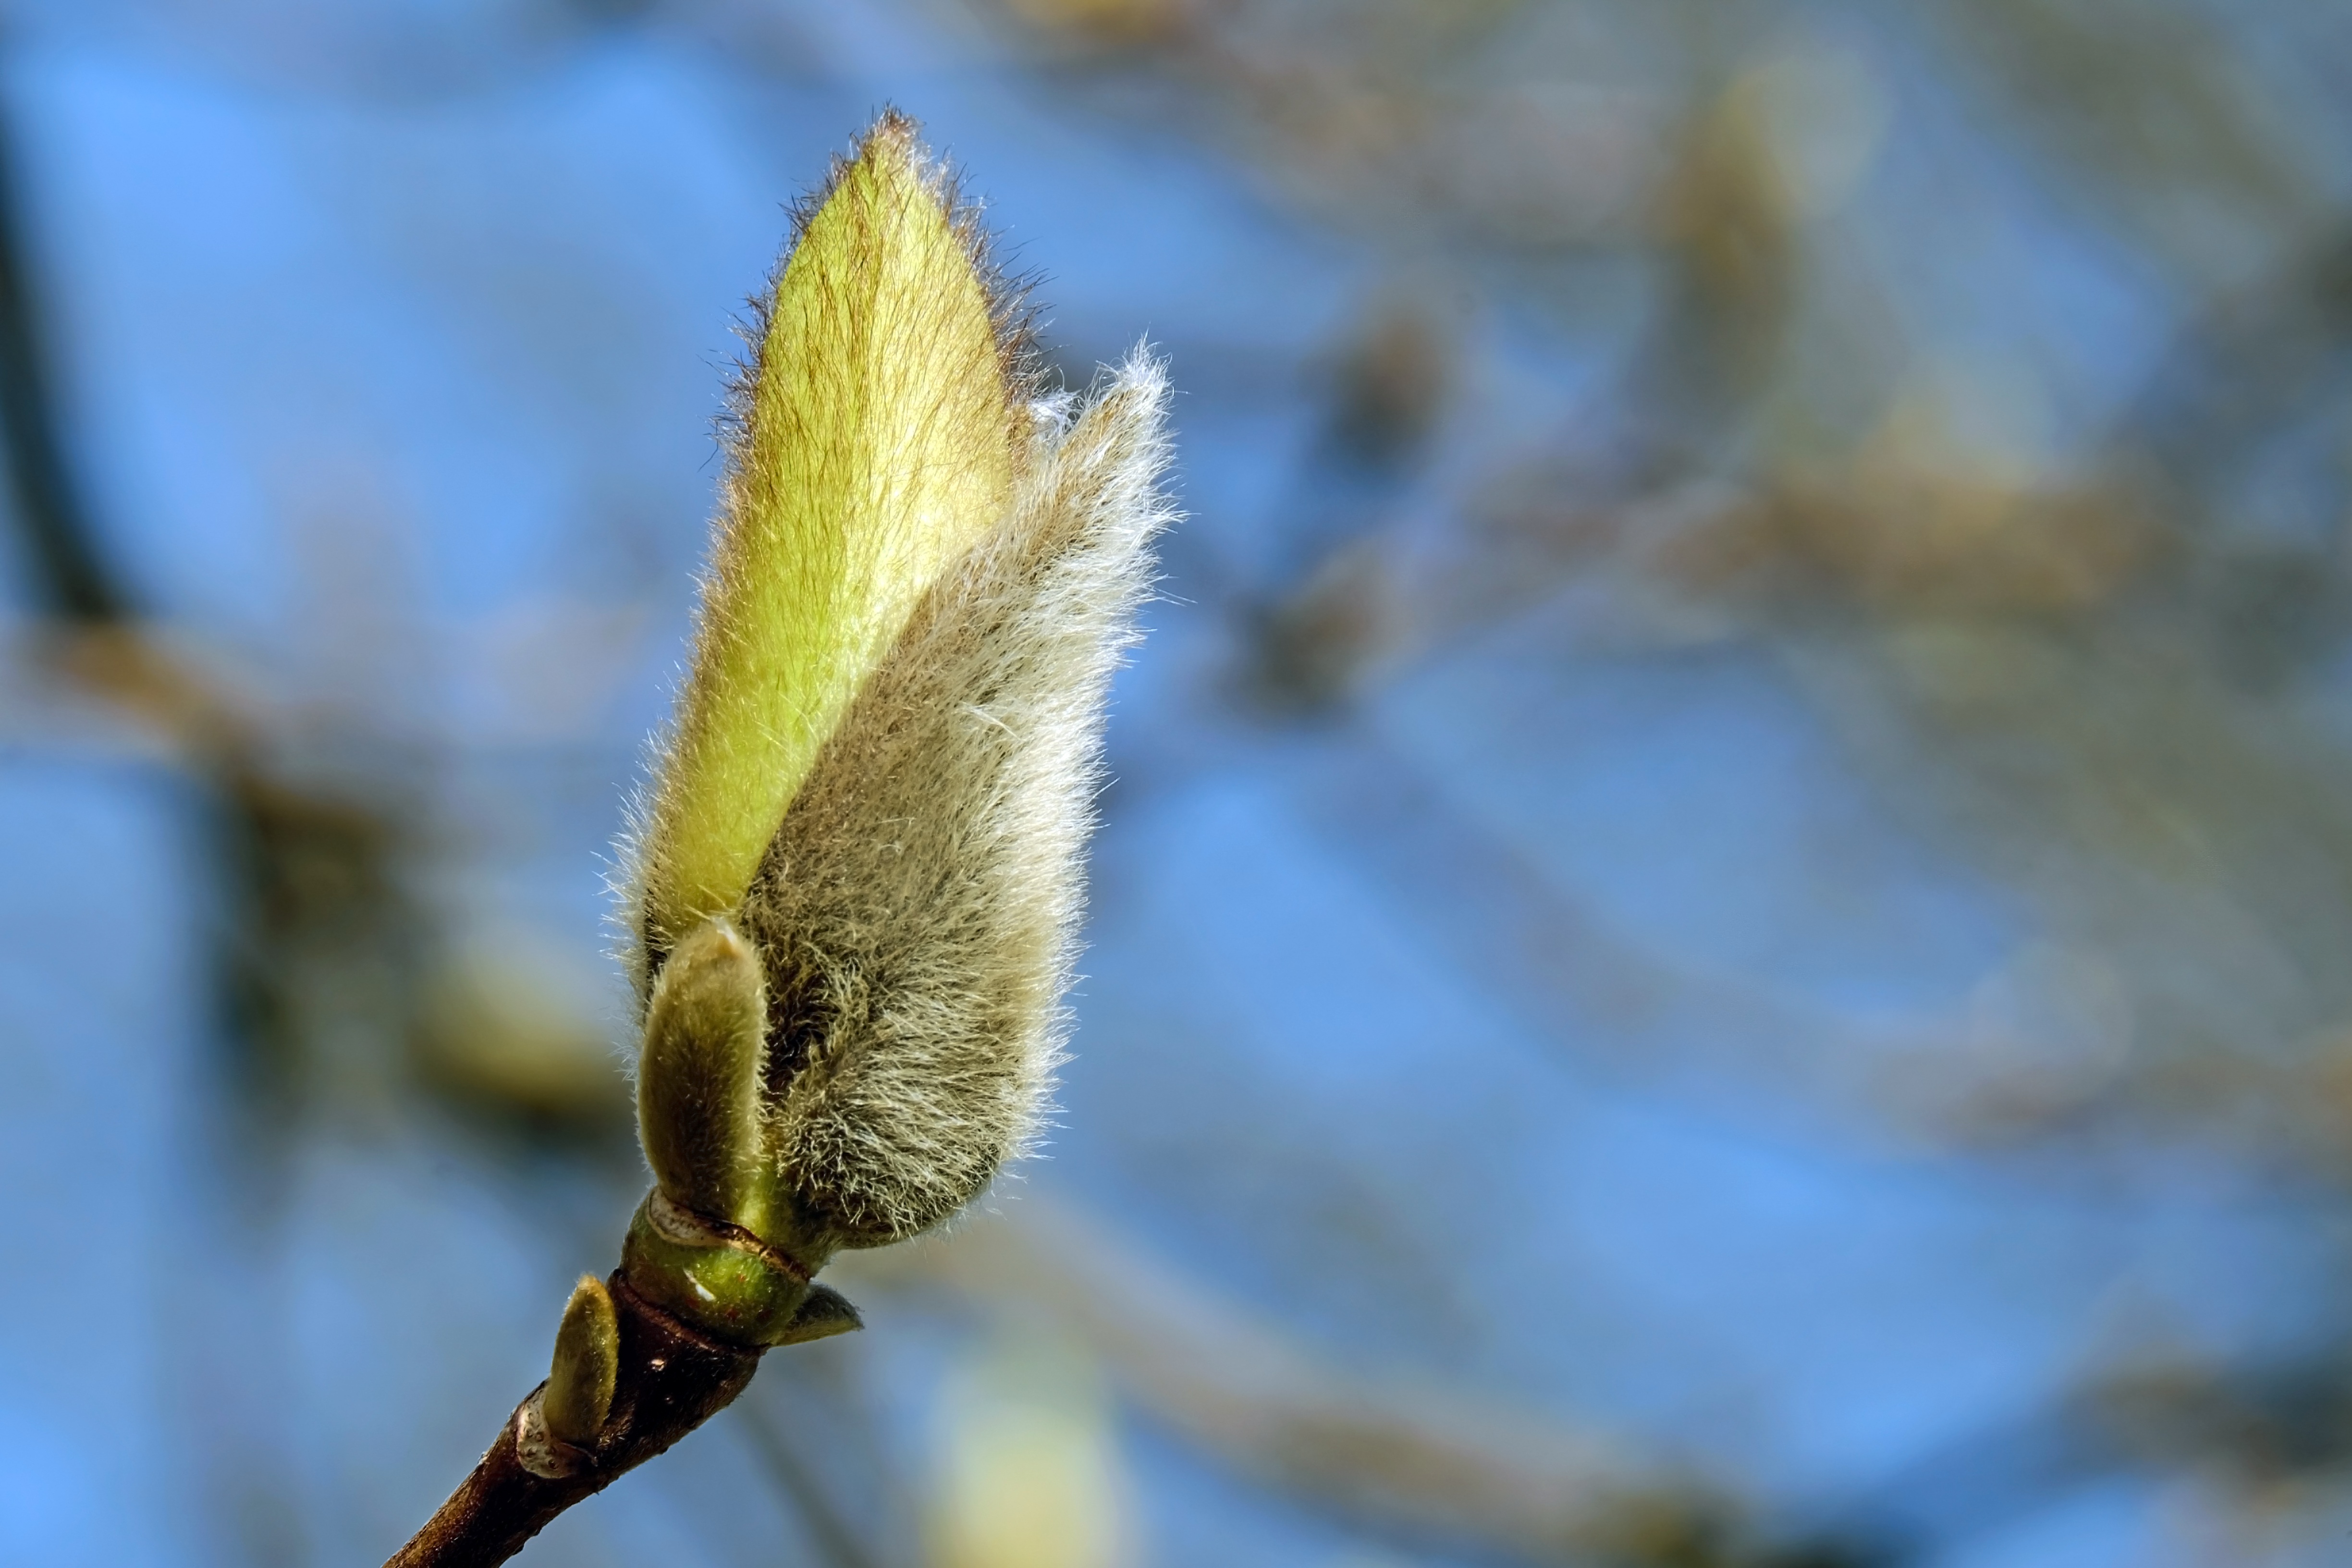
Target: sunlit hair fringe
(918, 911)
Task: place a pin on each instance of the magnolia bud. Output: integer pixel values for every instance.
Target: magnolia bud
(888, 744)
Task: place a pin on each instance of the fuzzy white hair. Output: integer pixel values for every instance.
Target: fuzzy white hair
(917, 909)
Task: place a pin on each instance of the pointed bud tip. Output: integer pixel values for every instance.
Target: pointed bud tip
(894, 129)
(714, 945)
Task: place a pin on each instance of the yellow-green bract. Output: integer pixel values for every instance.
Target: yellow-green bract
(882, 769)
(877, 449)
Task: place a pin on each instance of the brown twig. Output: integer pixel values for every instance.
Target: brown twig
(71, 572)
(672, 1380)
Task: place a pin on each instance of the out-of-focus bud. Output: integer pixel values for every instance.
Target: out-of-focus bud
(1032, 1476)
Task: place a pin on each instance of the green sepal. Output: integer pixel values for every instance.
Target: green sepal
(825, 1313)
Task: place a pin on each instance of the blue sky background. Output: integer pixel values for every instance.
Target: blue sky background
(1800, 1023)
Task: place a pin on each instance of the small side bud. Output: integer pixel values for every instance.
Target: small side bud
(825, 1313)
(579, 1396)
(698, 1082)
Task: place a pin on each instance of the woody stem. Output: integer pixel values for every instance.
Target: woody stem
(672, 1379)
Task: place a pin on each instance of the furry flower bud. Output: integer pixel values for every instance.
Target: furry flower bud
(855, 880)
(886, 753)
